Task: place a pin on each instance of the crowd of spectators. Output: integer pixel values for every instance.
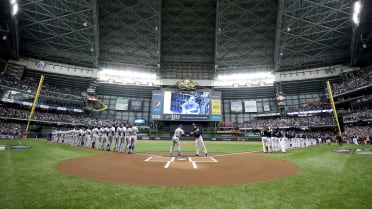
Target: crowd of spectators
(309, 121)
(9, 130)
(358, 115)
(30, 86)
(352, 81)
(360, 132)
(58, 117)
(321, 105)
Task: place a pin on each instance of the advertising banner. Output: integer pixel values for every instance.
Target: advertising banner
(135, 105)
(236, 106)
(121, 103)
(250, 106)
(156, 105)
(216, 112)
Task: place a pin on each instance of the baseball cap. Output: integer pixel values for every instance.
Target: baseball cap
(194, 124)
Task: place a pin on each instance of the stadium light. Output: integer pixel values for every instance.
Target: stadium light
(240, 76)
(15, 9)
(128, 73)
(356, 12)
(126, 76)
(263, 78)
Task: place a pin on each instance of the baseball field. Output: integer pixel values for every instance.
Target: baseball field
(233, 175)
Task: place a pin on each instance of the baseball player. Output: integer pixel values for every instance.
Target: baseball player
(127, 138)
(118, 138)
(124, 139)
(105, 133)
(88, 137)
(176, 140)
(81, 135)
(101, 142)
(283, 141)
(275, 136)
(95, 138)
(266, 141)
(111, 137)
(75, 137)
(132, 134)
(198, 140)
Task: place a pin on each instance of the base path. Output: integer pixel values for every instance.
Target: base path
(188, 170)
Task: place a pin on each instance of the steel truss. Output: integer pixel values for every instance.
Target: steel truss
(60, 30)
(312, 33)
(130, 32)
(188, 37)
(245, 35)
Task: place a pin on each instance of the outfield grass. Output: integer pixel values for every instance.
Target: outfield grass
(29, 179)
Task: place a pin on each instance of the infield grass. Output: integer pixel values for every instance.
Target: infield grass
(327, 180)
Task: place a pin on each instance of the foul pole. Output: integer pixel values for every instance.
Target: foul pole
(333, 107)
(36, 99)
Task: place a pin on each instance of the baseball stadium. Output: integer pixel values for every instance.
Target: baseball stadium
(185, 104)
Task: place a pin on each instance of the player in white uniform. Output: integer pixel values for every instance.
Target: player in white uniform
(198, 140)
(75, 137)
(81, 135)
(176, 140)
(283, 141)
(95, 138)
(101, 143)
(124, 139)
(117, 138)
(133, 130)
(105, 133)
(88, 137)
(111, 137)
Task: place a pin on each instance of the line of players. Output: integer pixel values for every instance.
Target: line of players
(275, 140)
(115, 137)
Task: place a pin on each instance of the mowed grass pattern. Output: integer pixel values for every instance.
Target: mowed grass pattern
(327, 180)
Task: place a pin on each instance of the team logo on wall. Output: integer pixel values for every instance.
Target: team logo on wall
(186, 85)
(156, 103)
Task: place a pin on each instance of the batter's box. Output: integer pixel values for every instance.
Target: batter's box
(158, 159)
(203, 159)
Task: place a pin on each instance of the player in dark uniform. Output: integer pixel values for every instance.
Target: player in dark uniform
(196, 132)
(266, 141)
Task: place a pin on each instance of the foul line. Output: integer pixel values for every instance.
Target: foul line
(213, 159)
(169, 162)
(240, 153)
(193, 163)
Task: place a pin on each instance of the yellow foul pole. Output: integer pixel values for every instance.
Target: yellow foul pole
(36, 99)
(333, 107)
